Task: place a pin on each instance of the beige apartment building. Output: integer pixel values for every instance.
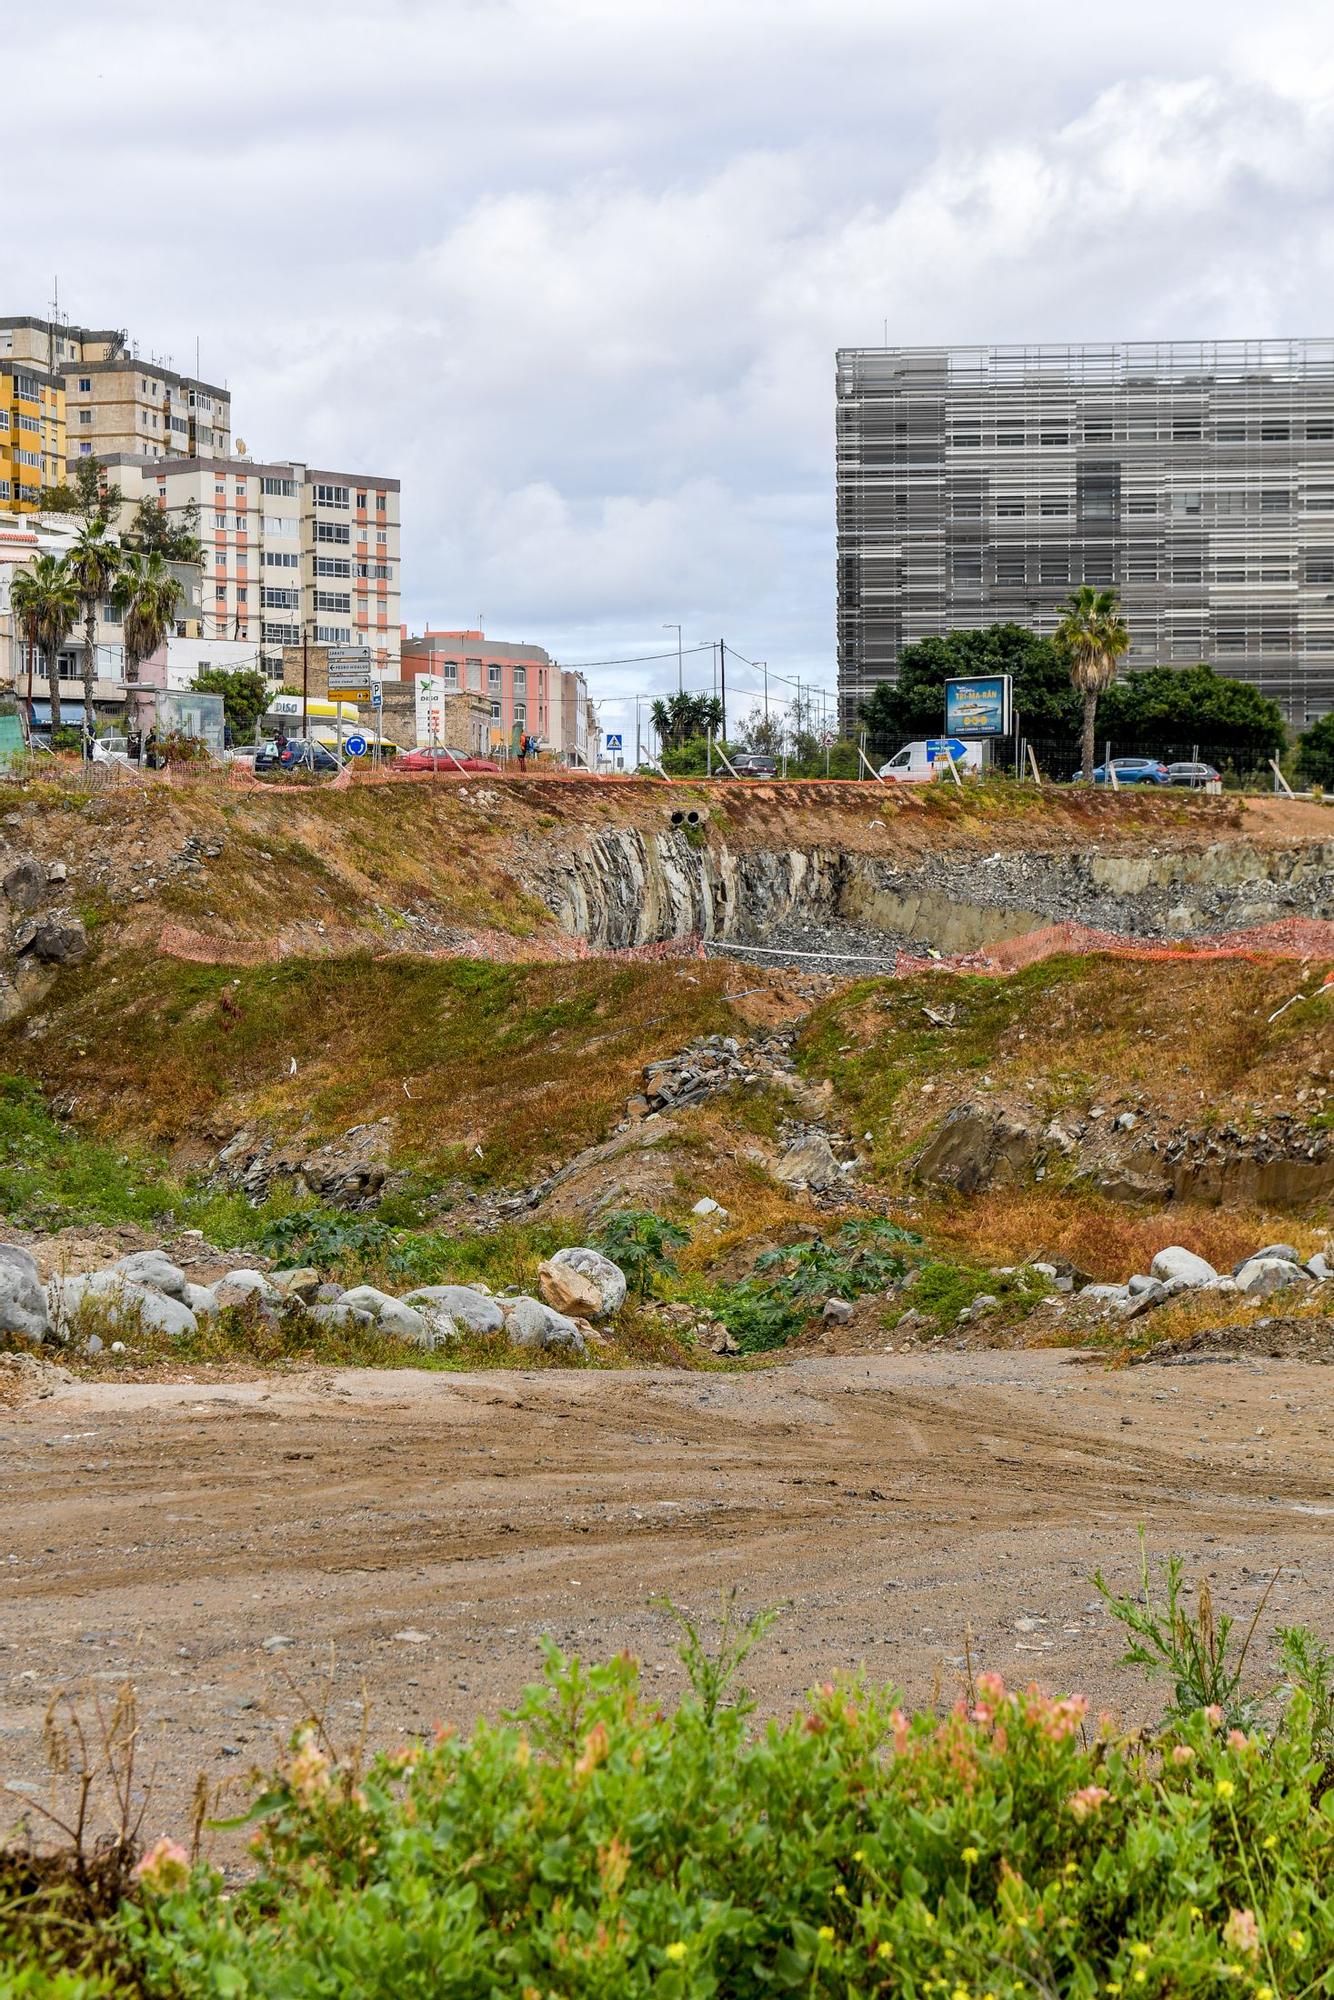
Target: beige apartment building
(115, 400)
(289, 551)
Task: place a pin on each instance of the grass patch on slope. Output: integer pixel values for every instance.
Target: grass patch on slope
(493, 1072)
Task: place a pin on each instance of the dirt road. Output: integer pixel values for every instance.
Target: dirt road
(414, 1534)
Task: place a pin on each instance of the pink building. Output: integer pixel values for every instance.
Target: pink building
(522, 683)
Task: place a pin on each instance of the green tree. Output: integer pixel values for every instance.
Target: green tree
(1091, 639)
(762, 733)
(154, 529)
(91, 494)
(245, 696)
(914, 706)
(1315, 752)
(46, 600)
(1164, 706)
(93, 563)
(147, 595)
(681, 716)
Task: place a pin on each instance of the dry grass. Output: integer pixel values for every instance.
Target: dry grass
(1109, 1242)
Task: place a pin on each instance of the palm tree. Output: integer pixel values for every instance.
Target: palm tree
(683, 716)
(1091, 638)
(46, 599)
(146, 594)
(93, 563)
(25, 601)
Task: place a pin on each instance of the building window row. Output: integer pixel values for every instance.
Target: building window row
(332, 496)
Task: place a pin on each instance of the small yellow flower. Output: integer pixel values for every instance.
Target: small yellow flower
(1225, 1788)
(839, 1889)
(1141, 1951)
(1113, 1986)
(1270, 1841)
(960, 1993)
(972, 1854)
(1141, 1977)
(858, 1854)
(676, 1951)
(884, 1949)
(1071, 1868)
(826, 1933)
(1264, 1993)
(1297, 1942)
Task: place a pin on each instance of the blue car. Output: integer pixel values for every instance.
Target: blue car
(1131, 771)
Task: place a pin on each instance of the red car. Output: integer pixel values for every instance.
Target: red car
(442, 760)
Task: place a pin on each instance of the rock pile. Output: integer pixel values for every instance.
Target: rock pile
(1274, 1268)
(148, 1292)
(711, 1065)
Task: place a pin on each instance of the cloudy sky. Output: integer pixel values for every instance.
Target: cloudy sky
(575, 270)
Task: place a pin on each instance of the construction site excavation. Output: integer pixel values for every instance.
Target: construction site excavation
(444, 1216)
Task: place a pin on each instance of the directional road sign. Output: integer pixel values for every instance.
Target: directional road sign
(356, 746)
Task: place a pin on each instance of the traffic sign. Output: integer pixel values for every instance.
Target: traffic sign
(349, 669)
(827, 737)
(615, 742)
(936, 746)
(356, 746)
(377, 696)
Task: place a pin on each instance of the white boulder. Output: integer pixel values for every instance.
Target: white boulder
(373, 1307)
(475, 1310)
(1261, 1277)
(529, 1323)
(608, 1278)
(235, 1287)
(23, 1301)
(156, 1270)
(1174, 1262)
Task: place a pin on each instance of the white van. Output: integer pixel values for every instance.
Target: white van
(919, 763)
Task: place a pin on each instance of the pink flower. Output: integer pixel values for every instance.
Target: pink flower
(1242, 1932)
(1238, 1740)
(165, 1868)
(985, 1714)
(1087, 1800)
(1213, 1715)
(991, 1687)
(1182, 1753)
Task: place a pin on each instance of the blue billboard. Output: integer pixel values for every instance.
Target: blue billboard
(978, 706)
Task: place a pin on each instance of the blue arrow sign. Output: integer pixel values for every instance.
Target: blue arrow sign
(356, 746)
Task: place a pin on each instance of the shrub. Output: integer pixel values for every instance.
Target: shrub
(642, 1244)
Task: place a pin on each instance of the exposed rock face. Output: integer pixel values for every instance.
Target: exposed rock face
(810, 1162)
(976, 1146)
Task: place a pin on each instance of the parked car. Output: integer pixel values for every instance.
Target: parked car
(754, 764)
(1192, 774)
(1129, 771)
(442, 760)
(297, 754)
(919, 763)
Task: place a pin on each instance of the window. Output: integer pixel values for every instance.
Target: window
(1010, 440)
(177, 424)
(1320, 640)
(1274, 501)
(1276, 576)
(1054, 569)
(1320, 433)
(1141, 504)
(361, 502)
(1098, 569)
(1230, 574)
(280, 635)
(493, 677)
(1055, 437)
(110, 613)
(330, 565)
(966, 440)
(382, 503)
(1231, 642)
(85, 450)
(85, 385)
(1010, 569)
(961, 509)
(1188, 503)
(378, 571)
(1320, 499)
(1142, 572)
(332, 531)
(242, 594)
(283, 488)
(4, 420)
(282, 559)
(331, 496)
(1053, 504)
(1185, 433)
(333, 600)
(1187, 572)
(381, 538)
(1319, 570)
(449, 671)
(1009, 506)
(276, 598)
(495, 711)
(521, 714)
(280, 524)
(1274, 433)
(1098, 433)
(33, 458)
(85, 416)
(1230, 433)
(333, 635)
(219, 591)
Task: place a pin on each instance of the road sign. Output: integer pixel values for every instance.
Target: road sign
(377, 696)
(827, 737)
(615, 742)
(349, 669)
(936, 746)
(356, 746)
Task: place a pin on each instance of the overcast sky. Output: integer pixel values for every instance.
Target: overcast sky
(575, 270)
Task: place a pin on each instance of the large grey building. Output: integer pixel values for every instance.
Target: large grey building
(984, 483)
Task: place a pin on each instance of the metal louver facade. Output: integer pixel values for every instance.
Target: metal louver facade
(985, 483)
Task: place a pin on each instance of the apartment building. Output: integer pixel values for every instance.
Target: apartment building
(985, 483)
(521, 682)
(32, 434)
(117, 401)
(289, 551)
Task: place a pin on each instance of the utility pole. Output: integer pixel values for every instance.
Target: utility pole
(305, 683)
(722, 675)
